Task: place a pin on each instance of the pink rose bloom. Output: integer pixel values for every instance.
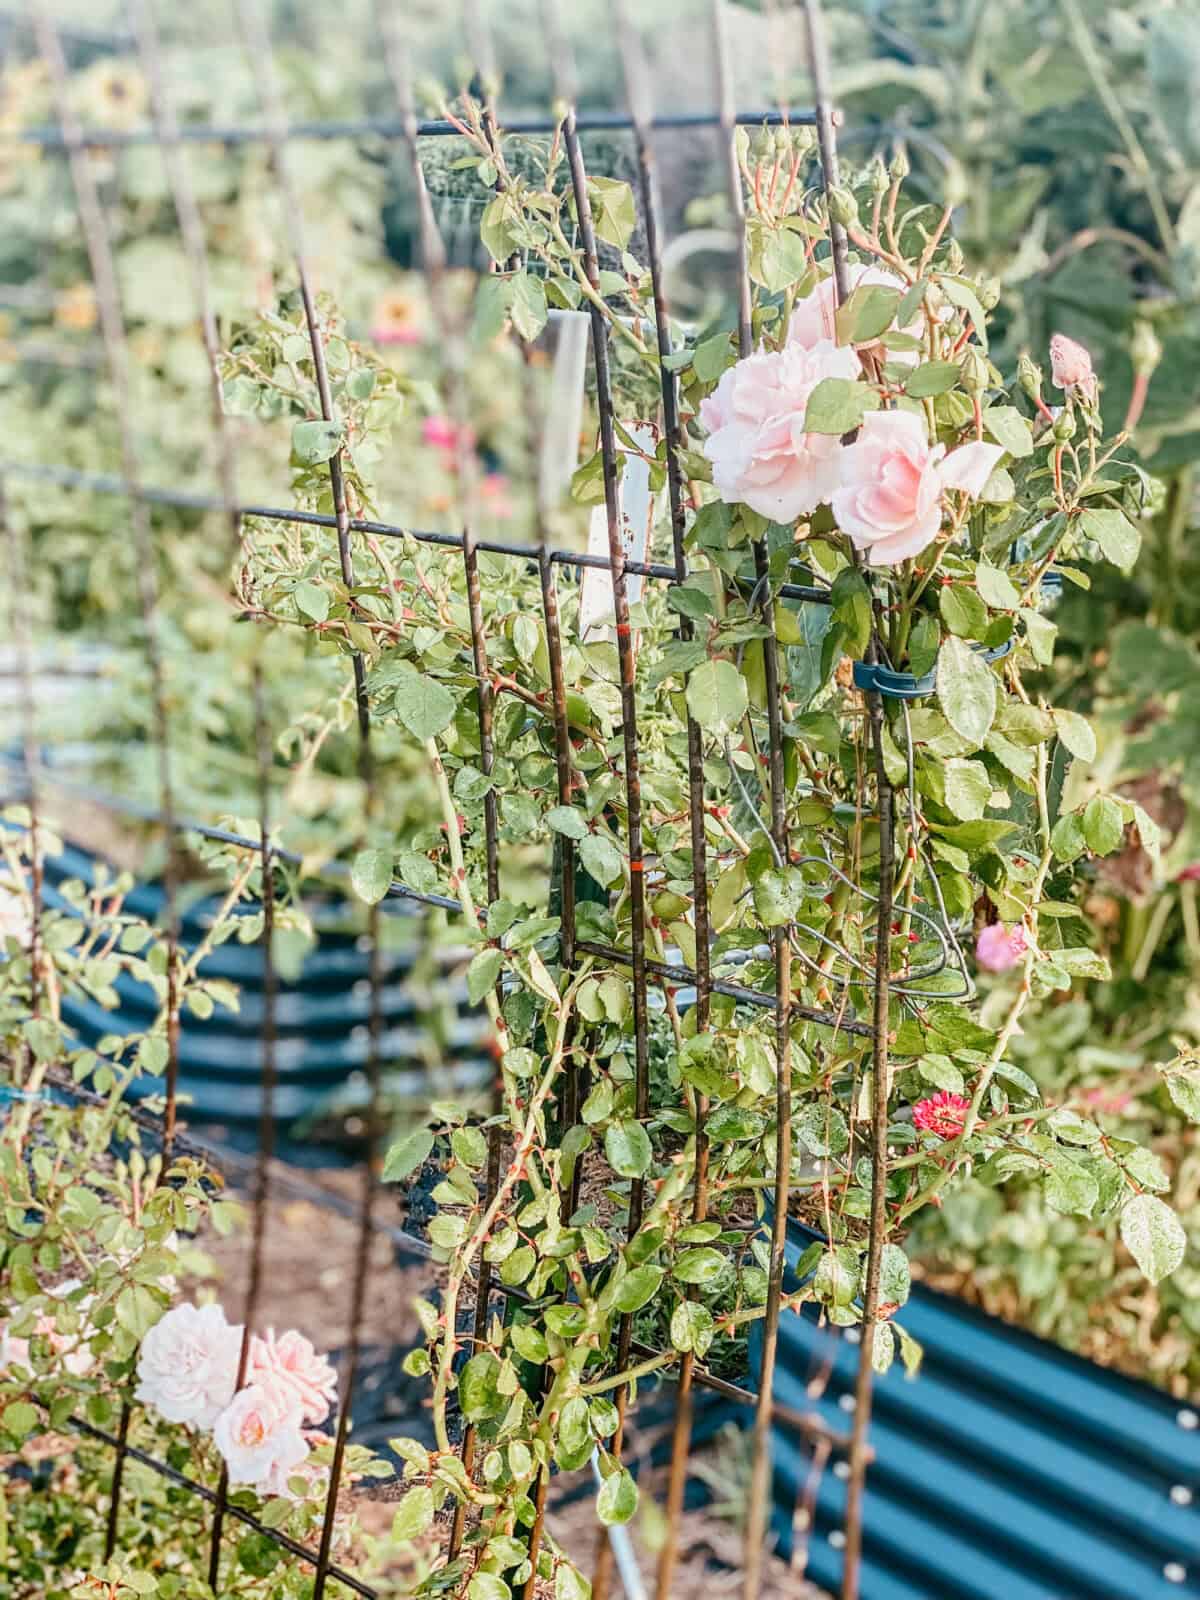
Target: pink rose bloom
(760, 453)
(258, 1433)
(893, 479)
(14, 1352)
(291, 1359)
(812, 318)
(187, 1365)
(1071, 367)
(998, 948)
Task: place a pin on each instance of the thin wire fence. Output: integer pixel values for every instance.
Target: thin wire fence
(642, 120)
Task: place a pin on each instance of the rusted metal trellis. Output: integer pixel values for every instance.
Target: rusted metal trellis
(644, 121)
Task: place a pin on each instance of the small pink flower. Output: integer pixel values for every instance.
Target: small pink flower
(1071, 367)
(187, 1365)
(1190, 873)
(892, 482)
(998, 948)
(943, 1114)
(442, 434)
(258, 1433)
(493, 492)
(292, 1359)
(761, 455)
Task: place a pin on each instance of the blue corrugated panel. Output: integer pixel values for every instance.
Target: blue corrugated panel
(321, 1019)
(1007, 1470)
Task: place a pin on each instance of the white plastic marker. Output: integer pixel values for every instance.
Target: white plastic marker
(563, 421)
(635, 500)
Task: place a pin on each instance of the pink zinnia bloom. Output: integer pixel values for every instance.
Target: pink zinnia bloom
(892, 482)
(761, 454)
(943, 1114)
(292, 1359)
(998, 948)
(1071, 367)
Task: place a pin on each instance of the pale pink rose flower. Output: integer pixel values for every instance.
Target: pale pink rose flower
(813, 318)
(893, 479)
(316, 1478)
(998, 948)
(292, 1359)
(760, 453)
(187, 1365)
(1071, 367)
(14, 1352)
(258, 1433)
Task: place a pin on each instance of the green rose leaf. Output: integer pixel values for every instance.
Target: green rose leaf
(425, 706)
(996, 587)
(486, 966)
(865, 313)
(968, 788)
(692, 1327)
(1103, 824)
(837, 405)
(717, 696)
(638, 1287)
(932, 378)
(1153, 1235)
(701, 1265)
(371, 874)
(527, 305)
(312, 600)
(407, 1154)
(1076, 733)
(602, 859)
(1183, 1085)
(1009, 428)
(568, 821)
(966, 690)
(618, 1498)
(414, 1513)
(314, 442)
(627, 1146)
(895, 1279)
(1117, 537)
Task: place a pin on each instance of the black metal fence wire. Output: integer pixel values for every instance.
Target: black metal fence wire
(73, 141)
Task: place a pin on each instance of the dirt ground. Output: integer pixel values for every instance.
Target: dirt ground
(306, 1284)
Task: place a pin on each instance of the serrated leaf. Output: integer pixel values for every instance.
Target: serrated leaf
(717, 696)
(838, 405)
(1117, 537)
(414, 1513)
(618, 1498)
(371, 874)
(486, 966)
(314, 442)
(407, 1154)
(1009, 428)
(425, 706)
(932, 378)
(966, 690)
(1103, 824)
(866, 312)
(627, 1146)
(1153, 1235)
(312, 600)
(996, 588)
(602, 859)
(1076, 733)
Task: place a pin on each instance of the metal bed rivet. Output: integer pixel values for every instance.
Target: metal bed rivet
(1188, 1419)
(1174, 1572)
(1181, 1495)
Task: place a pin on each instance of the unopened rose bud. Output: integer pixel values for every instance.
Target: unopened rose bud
(899, 167)
(1064, 426)
(1029, 374)
(843, 207)
(954, 258)
(880, 181)
(956, 187)
(1071, 368)
(803, 140)
(989, 293)
(973, 371)
(782, 141)
(1145, 351)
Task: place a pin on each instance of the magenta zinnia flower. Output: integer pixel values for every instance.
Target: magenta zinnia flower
(943, 1114)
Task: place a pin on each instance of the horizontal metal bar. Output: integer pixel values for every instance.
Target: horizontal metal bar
(133, 808)
(107, 483)
(182, 1481)
(52, 138)
(734, 991)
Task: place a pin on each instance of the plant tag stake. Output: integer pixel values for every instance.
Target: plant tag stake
(635, 500)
